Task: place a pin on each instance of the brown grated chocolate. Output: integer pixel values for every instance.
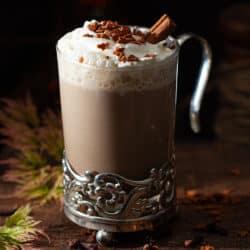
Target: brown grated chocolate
(132, 58)
(93, 26)
(102, 35)
(122, 58)
(118, 51)
(108, 24)
(235, 171)
(243, 233)
(103, 46)
(150, 55)
(81, 59)
(207, 247)
(125, 39)
(87, 35)
(188, 243)
(194, 242)
(124, 30)
(116, 32)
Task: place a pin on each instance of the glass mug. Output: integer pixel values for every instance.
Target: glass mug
(118, 125)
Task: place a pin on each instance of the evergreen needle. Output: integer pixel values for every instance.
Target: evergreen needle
(19, 228)
(37, 145)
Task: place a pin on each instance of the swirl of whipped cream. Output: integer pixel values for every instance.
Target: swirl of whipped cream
(83, 46)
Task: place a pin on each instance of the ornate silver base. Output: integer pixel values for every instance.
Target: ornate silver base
(111, 203)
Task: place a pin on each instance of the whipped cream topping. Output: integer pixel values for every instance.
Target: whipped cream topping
(85, 46)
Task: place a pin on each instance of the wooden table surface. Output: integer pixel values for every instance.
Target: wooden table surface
(201, 165)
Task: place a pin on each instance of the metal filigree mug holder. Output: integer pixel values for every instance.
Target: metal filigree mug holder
(111, 203)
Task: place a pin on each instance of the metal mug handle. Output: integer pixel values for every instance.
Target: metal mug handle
(202, 78)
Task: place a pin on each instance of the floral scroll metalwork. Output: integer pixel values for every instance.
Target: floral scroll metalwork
(114, 198)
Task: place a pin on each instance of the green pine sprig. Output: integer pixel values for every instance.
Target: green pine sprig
(36, 144)
(19, 229)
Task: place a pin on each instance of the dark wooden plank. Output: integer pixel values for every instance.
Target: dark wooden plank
(199, 165)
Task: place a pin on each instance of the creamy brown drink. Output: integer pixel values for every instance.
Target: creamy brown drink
(117, 99)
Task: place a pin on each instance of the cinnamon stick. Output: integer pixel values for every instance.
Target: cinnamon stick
(161, 29)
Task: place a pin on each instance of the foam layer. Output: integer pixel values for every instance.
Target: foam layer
(82, 49)
(138, 78)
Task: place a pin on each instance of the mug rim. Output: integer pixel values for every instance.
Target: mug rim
(134, 67)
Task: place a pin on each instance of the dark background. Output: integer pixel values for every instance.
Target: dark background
(30, 29)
